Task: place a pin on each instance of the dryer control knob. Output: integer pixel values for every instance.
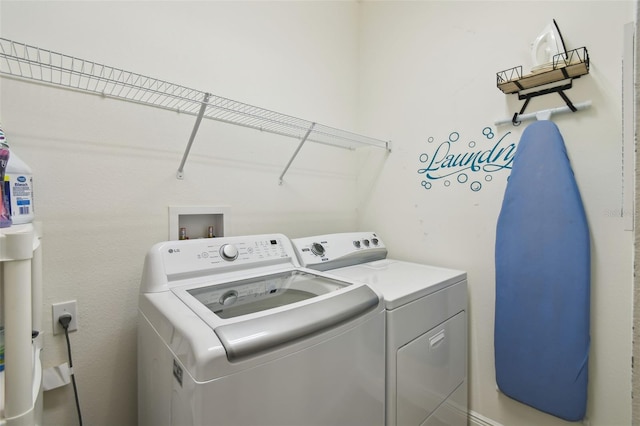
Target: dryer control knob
(229, 252)
(317, 249)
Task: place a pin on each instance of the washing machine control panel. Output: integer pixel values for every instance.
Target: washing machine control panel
(330, 251)
(203, 255)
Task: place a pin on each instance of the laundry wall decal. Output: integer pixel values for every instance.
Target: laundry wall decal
(454, 161)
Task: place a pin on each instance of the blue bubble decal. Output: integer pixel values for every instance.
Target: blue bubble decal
(470, 160)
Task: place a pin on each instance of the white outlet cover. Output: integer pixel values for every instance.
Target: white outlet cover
(61, 308)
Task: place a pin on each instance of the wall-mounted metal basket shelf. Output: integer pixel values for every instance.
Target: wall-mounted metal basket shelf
(573, 64)
(45, 66)
(555, 77)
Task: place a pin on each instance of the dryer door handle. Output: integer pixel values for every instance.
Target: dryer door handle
(436, 339)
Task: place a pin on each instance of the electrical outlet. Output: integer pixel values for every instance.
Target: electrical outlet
(60, 309)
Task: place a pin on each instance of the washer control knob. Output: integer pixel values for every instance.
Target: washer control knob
(229, 252)
(366, 243)
(229, 298)
(356, 243)
(375, 241)
(317, 249)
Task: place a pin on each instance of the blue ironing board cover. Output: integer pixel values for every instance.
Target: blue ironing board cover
(542, 260)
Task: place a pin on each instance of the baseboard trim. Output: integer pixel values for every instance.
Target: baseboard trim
(477, 419)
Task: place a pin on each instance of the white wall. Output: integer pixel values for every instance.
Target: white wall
(428, 69)
(408, 71)
(105, 169)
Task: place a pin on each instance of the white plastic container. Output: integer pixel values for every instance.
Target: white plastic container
(18, 183)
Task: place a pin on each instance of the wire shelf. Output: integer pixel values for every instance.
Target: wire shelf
(45, 66)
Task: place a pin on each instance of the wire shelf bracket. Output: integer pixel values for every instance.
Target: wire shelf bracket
(27, 62)
(295, 154)
(196, 126)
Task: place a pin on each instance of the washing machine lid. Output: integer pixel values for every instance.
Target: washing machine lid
(254, 314)
(400, 282)
(257, 294)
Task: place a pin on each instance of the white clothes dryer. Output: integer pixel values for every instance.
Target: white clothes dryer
(232, 331)
(426, 330)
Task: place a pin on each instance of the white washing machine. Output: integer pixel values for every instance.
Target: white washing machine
(233, 332)
(426, 330)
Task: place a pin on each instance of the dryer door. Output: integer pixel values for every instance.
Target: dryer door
(429, 369)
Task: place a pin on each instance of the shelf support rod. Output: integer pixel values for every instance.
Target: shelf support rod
(304, 139)
(544, 114)
(196, 126)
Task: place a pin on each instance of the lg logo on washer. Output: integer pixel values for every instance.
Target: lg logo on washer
(472, 164)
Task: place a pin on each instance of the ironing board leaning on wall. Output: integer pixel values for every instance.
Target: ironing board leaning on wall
(542, 259)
